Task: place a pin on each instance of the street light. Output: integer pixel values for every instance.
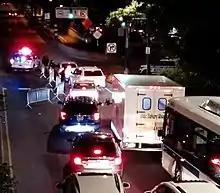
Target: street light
(61, 5)
(50, 0)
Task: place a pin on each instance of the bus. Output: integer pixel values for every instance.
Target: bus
(191, 138)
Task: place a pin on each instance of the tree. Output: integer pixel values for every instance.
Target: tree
(198, 28)
(130, 11)
(7, 183)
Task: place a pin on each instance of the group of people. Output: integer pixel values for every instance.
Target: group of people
(49, 63)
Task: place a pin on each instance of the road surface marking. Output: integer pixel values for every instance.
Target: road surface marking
(7, 134)
(2, 141)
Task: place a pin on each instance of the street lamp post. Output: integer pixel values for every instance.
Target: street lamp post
(126, 27)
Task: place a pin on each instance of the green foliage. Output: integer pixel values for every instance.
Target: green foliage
(184, 77)
(129, 11)
(7, 183)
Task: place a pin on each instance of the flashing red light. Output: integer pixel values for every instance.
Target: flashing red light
(215, 161)
(77, 161)
(25, 51)
(97, 151)
(63, 115)
(96, 116)
(118, 161)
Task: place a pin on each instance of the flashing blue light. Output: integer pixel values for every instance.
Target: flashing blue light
(70, 16)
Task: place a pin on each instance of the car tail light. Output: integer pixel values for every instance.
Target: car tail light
(63, 115)
(215, 161)
(77, 161)
(118, 161)
(96, 116)
(97, 151)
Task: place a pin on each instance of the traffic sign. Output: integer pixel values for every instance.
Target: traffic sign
(121, 31)
(97, 34)
(47, 16)
(71, 12)
(111, 48)
(147, 50)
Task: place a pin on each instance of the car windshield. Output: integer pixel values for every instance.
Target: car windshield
(84, 85)
(93, 73)
(73, 65)
(86, 146)
(82, 108)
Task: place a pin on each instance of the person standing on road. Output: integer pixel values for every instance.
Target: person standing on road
(45, 63)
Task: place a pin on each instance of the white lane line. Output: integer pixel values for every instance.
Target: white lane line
(7, 134)
(2, 141)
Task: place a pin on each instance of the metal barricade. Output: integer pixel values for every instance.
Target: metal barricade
(51, 77)
(38, 95)
(42, 74)
(60, 90)
(58, 80)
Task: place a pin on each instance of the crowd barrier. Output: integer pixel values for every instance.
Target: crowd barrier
(59, 91)
(51, 79)
(38, 95)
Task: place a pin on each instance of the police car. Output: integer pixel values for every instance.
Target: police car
(92, 73)
(23, 60)
(185, 187)
(85, 89)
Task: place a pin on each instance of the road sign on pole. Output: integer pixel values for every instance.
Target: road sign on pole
(111, 48)
(147, 50)
(121, 31)
(71, 12)
(97, 34)
(47, 16)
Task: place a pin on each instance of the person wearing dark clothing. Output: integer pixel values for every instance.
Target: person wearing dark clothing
(45, 60)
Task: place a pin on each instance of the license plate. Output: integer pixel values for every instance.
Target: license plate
(98, 164)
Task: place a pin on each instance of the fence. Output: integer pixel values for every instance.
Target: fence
(60, 90)
(42, 74)
(38, 95)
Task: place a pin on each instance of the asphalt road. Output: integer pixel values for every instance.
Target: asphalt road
(35, 168)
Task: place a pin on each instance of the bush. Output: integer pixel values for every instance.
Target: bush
(7, 183)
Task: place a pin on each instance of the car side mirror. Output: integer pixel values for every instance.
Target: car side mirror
(108, 102)
(160, 133)
(59, 185)
(126, 185)
(60, 103)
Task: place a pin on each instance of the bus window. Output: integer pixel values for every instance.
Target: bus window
(162, 103)
(146, 103)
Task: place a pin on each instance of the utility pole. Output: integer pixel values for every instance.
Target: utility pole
(126, 49)
(147, 50)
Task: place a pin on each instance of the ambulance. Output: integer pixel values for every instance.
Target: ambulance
(139, 106)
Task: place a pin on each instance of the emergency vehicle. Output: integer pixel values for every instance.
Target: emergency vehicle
(23, 60)
(139, 106)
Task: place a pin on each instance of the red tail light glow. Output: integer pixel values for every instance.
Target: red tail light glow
(97, 151)
(63, 115)
(118, 161)
(215, 161)
(96, 116)
(77, 161)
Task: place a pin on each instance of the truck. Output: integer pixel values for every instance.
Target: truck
(139, 106)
